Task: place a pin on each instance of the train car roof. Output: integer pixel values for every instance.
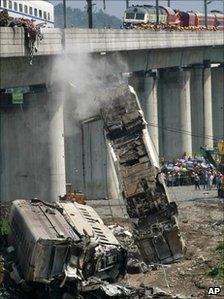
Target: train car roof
(42, 221)
(83, 217)
(168, 9)
(198, 13)
(138, 8)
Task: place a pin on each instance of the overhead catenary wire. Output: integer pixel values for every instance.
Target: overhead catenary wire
(180, 131)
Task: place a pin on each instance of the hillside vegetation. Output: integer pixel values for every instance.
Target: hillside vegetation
(78, 18)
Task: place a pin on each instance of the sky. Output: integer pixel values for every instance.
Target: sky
(117, 7)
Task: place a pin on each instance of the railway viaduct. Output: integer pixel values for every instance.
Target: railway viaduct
(49, 140)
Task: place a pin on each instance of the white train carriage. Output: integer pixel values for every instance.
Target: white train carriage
(145, 14)
(41, 11)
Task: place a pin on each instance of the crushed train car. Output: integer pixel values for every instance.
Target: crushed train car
(65, 242)
(156, 230)
(107, 258)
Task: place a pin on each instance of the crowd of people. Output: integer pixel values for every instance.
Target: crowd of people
(191, 171)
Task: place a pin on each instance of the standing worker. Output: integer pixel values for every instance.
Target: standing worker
(197, 182)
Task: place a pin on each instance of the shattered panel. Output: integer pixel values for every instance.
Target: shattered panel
(105, 258)
(64, 242)
(38, 230)
(154, 217)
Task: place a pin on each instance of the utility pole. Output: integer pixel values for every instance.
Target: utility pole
(64, 14)
(157, 12)
(168, 3)
(127, 3)
(90, 13)
(206, 13)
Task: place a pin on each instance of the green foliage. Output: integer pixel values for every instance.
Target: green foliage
(220, 248)
(218, 270)
(78, 18)
(4, 227)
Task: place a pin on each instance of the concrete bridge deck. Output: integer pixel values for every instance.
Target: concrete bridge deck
(105, 40)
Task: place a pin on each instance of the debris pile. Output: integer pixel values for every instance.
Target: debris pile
(168, 27)
(135, 264)
(31, 30)
(81, 260)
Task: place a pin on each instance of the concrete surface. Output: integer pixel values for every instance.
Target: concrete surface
(218, 102)
(32, 150)
(100, 40)
(175, 113)
(197, 106)
(208, 123)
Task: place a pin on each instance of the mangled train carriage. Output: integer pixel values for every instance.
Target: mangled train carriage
(153, 215)
(64, 242)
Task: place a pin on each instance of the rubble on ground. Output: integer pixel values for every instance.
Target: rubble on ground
(168, 27)
(76, 284)
(135, 263)
(125, 237)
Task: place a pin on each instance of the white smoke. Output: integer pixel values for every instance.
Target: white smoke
(84, 77)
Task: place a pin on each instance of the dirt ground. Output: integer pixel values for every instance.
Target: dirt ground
(201, 220)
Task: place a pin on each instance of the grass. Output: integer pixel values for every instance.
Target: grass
(218, 270)
(4, 227)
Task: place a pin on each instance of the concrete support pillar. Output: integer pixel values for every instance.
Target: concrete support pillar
(174, 93)
(56, 145)
(146, 88)
(197, 99)
(32, 148)
(218, 102)
(185, 111)
(208, 123)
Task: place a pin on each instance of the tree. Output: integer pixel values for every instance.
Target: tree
(78, 18)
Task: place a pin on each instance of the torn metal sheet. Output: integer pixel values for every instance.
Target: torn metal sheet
(156, 230)
(65, 242)
(105, 258)
(42, 238)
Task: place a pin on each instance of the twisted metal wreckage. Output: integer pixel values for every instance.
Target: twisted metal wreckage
(68, 243)
(156, 230)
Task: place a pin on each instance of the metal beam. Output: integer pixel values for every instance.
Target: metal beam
(90, 13)
(127, 3)
(157, 12)
(206, 12)
(64, 13)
